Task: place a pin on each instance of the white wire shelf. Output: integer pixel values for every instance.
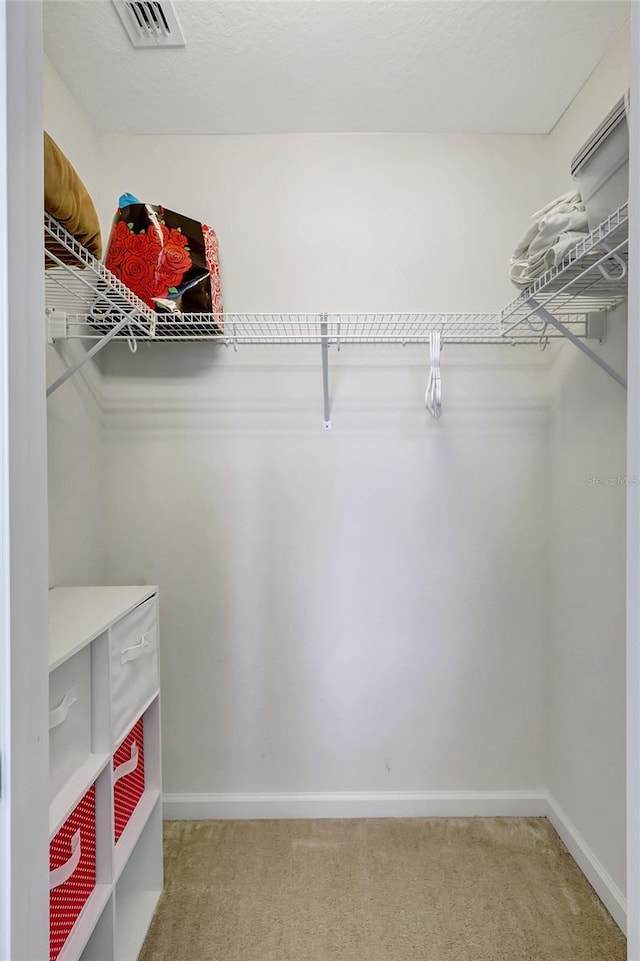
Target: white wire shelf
(336, 329)
(92, 303)
(592, 278)
(86, 301)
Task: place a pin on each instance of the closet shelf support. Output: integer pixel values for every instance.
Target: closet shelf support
(324, 345)
(549, 318)
(54, 332)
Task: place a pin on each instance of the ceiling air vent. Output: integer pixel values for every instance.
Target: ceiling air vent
(150, 24)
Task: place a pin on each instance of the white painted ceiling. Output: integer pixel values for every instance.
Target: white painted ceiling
(258, 66)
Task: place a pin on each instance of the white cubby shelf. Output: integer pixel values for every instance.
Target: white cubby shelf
(103, 644)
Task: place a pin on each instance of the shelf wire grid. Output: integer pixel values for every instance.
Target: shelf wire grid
(336, 329)
(94, 301)
(591, 278)
(76, 282)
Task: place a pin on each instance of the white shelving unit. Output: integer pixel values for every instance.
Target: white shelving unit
(96, 634)
(99, 944)
(85, 301)
(135, 898)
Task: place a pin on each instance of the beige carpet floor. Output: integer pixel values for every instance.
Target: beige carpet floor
(481, 889)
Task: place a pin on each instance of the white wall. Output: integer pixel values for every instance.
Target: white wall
(586, 670)
(346, 222)
(74, 422)
(353, 611)
(359, 610)
(76, 475)
(70, 127)
(603, 89)
(586, 689)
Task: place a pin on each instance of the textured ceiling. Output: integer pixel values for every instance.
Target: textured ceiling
(257, 66)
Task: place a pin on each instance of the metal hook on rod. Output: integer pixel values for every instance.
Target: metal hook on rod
(543, 342)
(433, 395)
(131, 341)
(539, 329)
(233, 340)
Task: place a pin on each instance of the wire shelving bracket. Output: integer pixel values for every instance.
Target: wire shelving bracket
(324, 338)
(75, 278)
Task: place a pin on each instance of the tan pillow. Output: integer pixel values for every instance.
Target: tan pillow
(67, 199)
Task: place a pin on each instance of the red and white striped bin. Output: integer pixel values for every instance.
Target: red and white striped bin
(128, 777)
(72, 871)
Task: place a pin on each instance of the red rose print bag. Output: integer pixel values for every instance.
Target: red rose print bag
(169, 261)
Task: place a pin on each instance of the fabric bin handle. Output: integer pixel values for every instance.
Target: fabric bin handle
(131, 653)
(59, 875)
(60, 713)
(129, 766)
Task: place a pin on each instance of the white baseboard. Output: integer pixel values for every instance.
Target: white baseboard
(386, 804)
(599, 879)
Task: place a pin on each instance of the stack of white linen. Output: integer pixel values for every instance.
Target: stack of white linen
(554, 230)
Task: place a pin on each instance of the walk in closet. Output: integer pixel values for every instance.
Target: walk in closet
(360, 540)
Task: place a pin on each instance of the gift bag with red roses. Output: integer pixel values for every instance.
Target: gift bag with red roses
(169, 261)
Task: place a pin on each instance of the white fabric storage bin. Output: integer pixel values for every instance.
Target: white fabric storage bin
(69, 719)
(133, 652)
(601, 167)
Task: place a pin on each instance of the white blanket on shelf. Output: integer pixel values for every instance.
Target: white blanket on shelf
(554, 230)
(562, 246)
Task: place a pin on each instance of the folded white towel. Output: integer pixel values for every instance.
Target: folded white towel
(522, 247)
(562, 246)
(561, 218)
(551, 227)
(518, 270)
(572, 200)
(522, 272)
